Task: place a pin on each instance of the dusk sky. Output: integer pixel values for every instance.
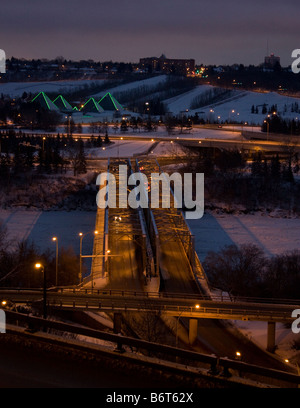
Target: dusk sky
(212, 32)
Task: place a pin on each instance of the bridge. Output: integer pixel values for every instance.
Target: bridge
(144, 260)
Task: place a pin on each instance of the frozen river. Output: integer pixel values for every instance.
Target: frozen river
(212, 232)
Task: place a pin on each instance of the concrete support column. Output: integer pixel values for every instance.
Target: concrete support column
(271, 337)
(193, 330)
(117, 322)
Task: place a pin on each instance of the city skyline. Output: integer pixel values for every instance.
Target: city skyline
(210, 33)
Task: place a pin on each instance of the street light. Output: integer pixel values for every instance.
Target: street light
(54, 239)
(238, 355)
(81, 235)
(268, 128)
(40, 266)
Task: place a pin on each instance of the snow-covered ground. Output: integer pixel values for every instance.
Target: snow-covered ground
(237, 109)
(120, 148)
(16, 89)
(150, 82)
(39, 227)
(273, 235)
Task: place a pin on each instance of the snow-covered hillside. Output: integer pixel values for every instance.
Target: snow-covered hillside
(236, 108)
(16, 89)
(151, 82)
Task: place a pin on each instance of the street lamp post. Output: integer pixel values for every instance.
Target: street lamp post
(41, 267)
(107, 255)
(268, 128)
(54, 239)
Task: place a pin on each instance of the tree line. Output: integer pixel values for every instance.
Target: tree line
(246, 271)
(45, 154)
(251, 180)
(17, 264)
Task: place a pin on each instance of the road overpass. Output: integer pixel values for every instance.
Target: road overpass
(167, 304)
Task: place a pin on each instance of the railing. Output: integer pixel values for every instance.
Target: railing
(216, 363)
(191, 308)
(161, 295)
(174, 310)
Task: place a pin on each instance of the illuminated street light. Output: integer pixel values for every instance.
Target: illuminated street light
(238, 355)
(40, 266)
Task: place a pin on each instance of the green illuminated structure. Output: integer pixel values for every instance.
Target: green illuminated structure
(45, 102)
(92, 106)
(62, 104)
(109, 103)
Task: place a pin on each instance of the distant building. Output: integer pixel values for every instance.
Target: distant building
(271, 61)
(168, 65)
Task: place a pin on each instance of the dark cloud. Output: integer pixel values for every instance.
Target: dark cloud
(126, 30)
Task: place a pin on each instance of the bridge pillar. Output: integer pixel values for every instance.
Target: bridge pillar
(271, 337)
(193, 330)
(117, 322)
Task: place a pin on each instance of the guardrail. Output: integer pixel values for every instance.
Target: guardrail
(216, 363)
(161, 295)
(175, 310)
(191, 308)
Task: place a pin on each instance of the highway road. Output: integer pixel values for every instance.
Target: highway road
(175, 269)
(124, 270)
(124, 265)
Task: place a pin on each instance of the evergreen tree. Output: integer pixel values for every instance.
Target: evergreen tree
(81, 162)
(275, 168)
(18, 163)
(106, 140)
(98, 141)
(264, 109)
(256, 168)
(123, 127)
(5, 166)
(28, 159)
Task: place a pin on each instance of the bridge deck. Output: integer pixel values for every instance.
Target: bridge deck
(175, 242)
